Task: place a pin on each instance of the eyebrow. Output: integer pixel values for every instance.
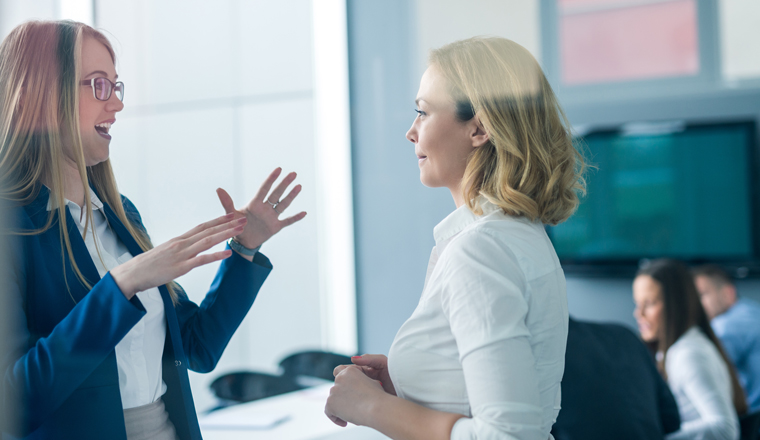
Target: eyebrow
(417, 101)
(100, 72)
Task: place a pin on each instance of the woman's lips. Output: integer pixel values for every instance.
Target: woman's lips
(421, 159)
(103, 133)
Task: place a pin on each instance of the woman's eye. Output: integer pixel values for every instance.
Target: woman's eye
(420, 112)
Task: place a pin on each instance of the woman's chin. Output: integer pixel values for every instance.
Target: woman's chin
(647, 336)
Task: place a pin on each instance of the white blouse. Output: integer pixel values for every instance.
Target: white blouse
(487, 339)
(701, 384)
(139, 353)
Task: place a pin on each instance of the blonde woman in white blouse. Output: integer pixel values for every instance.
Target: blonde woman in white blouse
(482, 356)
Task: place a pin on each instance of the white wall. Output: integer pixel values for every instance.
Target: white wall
(444, 21)
(218, 94)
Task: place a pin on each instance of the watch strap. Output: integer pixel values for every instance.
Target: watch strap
(239, 248)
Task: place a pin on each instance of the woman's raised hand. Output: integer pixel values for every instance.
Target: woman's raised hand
(264, 210)
(177, 256)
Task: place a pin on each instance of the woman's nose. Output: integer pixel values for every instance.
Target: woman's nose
(411, 135)
(114, 103)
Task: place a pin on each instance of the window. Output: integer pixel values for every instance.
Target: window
(624, 40)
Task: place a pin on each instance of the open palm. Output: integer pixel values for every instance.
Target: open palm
(264, 210)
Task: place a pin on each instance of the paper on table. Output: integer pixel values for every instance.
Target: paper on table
(234, 418)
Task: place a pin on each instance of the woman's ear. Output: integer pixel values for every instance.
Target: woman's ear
(478, 134)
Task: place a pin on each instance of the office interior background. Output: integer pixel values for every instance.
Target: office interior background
(220, 93)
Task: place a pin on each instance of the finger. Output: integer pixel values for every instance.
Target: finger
(290, 220)
(371, 373)
(212, 240)
(204, 259)
(279, 190)
(264, 189)
(376, 361)
(209, 224)
(226, 200)
(284, 203)
(337, 420)
(189, 241)
(338, 369)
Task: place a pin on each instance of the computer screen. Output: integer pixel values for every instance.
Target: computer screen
(667, 190)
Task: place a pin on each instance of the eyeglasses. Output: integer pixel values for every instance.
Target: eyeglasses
(103, 87)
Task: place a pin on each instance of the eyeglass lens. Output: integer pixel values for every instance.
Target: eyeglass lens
(103, 88)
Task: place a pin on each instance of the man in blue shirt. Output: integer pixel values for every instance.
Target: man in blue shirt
(736, 322)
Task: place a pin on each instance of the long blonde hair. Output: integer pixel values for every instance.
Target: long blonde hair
(530, 167)
(39, 114)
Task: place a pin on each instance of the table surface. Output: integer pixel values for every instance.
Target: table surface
(306, 419)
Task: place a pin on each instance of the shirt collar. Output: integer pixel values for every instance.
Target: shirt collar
(461, 218)
(94, 200)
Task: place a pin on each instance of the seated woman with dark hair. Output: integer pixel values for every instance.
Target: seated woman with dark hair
(689, 355)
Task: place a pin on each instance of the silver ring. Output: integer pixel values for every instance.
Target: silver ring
(274, 205)
(275, 209)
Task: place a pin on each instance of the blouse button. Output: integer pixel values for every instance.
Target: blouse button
(177, 363)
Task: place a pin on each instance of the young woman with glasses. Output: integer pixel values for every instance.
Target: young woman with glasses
(482, 356)
(102, 337)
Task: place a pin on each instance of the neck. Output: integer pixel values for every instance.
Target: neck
(457, 194)
(73, 189)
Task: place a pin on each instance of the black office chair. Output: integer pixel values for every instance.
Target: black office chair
(247, 386)
(299, 370)
(314, 364)
(750, 426)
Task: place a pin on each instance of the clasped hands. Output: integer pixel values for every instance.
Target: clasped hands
(251, 226)
(358, 388)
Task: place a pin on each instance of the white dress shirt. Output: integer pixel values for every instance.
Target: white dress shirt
(138, 354)
(701, 384)
(487, 339)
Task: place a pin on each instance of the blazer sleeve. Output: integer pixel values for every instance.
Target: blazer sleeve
(207, 328)
(39, 374)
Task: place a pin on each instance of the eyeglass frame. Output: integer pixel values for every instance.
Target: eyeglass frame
(91, 82)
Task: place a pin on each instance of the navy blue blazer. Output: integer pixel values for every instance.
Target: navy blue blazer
(58, 362)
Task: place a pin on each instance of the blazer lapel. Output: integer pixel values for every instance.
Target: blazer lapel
(82, 257)
(121, 230)
(39, 213)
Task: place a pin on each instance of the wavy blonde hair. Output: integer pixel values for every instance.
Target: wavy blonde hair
(530, 167)
(39, 114)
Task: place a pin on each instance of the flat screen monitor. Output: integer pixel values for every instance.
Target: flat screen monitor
(686, 191)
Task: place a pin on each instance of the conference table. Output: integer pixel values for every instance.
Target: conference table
(293, 416)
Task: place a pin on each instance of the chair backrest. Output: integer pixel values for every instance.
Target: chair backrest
(750, 426)
(318, 364)
(247, 386)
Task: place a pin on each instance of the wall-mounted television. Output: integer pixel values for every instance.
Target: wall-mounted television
(665, 189)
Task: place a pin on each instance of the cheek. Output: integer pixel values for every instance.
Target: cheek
(654, 316)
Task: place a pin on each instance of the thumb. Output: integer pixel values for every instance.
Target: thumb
(226, 200)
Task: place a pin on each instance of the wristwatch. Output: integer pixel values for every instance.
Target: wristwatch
(239, 248)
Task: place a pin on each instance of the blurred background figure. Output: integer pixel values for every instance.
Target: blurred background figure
(689, 355)
(611, 388)
(736, 322)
